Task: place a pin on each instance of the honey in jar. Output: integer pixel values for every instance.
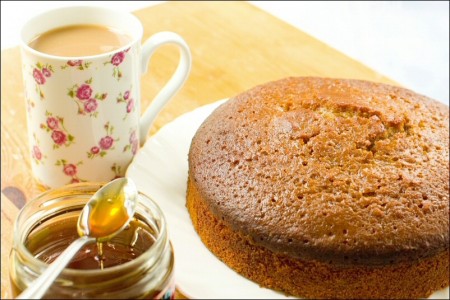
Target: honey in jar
(135, 264)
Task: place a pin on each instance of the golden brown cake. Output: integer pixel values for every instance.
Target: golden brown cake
(326, 188)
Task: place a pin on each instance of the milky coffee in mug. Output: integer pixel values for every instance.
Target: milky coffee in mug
(82, 68)
(80, 40)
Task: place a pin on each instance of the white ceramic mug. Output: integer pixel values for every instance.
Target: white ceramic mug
(84, 114)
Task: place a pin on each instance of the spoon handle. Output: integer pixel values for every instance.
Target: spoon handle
(38, 287)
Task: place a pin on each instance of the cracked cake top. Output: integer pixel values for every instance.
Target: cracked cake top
(337, 170)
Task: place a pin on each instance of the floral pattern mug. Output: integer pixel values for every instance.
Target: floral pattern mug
(84, 115)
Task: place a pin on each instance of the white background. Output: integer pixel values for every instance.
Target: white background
(406, 41)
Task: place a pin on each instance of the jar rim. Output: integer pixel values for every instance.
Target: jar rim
(83, 189)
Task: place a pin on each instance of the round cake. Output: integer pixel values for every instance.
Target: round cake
(326, 188)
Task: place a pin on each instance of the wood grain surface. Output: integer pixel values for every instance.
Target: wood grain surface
(234, 45)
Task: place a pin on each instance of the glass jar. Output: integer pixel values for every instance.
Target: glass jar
(141, 256)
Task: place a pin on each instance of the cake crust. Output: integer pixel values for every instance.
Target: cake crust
(311, 278)
(326, 188)
(341, 171)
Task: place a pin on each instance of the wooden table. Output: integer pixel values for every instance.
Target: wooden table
(234, 45)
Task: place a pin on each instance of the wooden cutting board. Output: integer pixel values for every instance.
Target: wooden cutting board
(234, 45)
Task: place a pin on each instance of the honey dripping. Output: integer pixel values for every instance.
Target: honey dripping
(107, 214)
(100, 224)
(100, 255)
(131, 242)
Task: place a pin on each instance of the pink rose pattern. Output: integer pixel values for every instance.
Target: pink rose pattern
(59, 137)
(95, 150)
(36, 153)
(52, 123)
(133, 143)
(130, 106)
(87, 102)
(90, 105)
(125, 98)
(40, 74)
(116, 60)
(84, 92)
(105, 144)
(74, 63)
(70, 170)
(84, 97)
(77, 64)
(59, 134)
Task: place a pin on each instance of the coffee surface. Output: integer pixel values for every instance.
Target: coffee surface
(80, 40)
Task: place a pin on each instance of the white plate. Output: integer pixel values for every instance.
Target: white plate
(160, 170)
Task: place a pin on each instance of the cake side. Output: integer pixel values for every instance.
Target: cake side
(312, 278)
(341, 171)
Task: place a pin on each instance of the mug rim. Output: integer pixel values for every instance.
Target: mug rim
(133, 22)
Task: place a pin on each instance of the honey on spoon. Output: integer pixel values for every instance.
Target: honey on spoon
(106, 214)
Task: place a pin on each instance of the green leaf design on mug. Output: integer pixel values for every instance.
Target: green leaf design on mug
(84, 97)
(105, 144)
(70, 169)
(117, 170)
(133, 143)
(58, 132)
(116, 60)
(126, 98)
(41, 73)
(77, 64)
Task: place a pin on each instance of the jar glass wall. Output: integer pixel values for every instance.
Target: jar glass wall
(138, 262)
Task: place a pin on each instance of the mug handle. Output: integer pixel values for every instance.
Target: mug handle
(172, 86)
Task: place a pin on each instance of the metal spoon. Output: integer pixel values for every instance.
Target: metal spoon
(108, 211)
